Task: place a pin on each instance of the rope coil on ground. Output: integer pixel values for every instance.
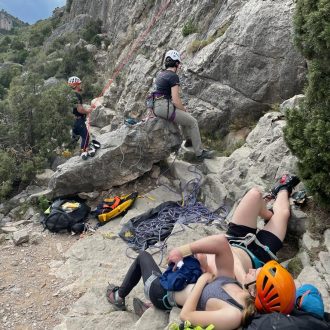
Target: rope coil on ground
(155, 231)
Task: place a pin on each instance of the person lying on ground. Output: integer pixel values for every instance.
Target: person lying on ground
(218, 298)
(251, 248)
(237, 261)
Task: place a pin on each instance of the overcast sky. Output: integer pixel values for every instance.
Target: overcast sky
(30, 11)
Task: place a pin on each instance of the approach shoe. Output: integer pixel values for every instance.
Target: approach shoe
(188, 143)
(206, 154)
(139, 306)
(287, 182)
(91, 151)
(84, 155)
(114, 299)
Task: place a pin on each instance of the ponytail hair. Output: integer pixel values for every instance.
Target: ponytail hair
(170, 63)
(249, 310)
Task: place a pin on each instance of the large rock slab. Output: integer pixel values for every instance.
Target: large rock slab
(263, 158)
(126, 154)
(249, 61)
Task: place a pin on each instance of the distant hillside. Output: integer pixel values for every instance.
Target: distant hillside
(9, 22)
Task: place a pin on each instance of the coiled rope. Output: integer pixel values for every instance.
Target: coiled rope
(155, 231)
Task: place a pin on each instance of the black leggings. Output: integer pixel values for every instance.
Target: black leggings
(144, 266)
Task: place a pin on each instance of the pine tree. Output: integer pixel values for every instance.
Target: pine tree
(308, 129)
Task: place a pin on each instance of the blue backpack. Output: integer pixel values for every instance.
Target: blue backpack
(309, 299)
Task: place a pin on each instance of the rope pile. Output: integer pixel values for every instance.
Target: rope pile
(158, 228)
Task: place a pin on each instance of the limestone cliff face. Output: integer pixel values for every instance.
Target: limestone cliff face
(243, 63)
(7, 22)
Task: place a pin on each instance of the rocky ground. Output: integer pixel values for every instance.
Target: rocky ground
(31, 298)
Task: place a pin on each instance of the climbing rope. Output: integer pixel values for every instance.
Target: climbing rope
(137, 43)
(155, 231)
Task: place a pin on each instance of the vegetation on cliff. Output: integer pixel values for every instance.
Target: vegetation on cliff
(35, 118)
(308, 129)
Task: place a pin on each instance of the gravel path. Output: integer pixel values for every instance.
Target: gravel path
(31, 298)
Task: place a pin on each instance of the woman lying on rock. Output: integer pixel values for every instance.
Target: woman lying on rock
(218, 297)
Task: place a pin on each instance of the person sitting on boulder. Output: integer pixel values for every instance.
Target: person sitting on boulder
(168, 104)
(233, 259)
(79, 127)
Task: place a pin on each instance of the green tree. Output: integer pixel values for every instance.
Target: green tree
(7, 174)
(308, 129)
(91, 31)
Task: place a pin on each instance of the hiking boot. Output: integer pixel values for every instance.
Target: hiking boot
(188, 143)
(114, 299)
(139, 306)
(206, 154)
(287, 182)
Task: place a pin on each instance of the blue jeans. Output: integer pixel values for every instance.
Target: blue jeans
(79, 128)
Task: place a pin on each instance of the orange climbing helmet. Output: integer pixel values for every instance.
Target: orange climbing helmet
(276, 291)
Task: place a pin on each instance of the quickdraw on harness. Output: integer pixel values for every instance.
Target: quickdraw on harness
(244, 242)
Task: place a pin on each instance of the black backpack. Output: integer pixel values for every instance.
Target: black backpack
(59, 217)
(297, 320)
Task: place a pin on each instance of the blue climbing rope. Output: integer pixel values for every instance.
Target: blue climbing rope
(154, 231)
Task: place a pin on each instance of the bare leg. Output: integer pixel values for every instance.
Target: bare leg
(279, 221)
(250, 207)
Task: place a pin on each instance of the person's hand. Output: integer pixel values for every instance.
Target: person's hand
(174, 256)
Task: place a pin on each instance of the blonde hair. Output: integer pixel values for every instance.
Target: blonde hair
(249, 310)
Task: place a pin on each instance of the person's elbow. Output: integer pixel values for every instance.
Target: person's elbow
(184, 315)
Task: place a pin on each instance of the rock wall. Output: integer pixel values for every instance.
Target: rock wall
(248, 64)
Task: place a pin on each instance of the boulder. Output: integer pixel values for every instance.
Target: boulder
(125, 155)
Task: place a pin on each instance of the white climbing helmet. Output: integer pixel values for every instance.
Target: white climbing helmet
(74, 81)
(173, 54)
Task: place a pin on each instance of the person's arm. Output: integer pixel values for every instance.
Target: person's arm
(226, 318)
(215, 244)
(176, 99)
(82, 110)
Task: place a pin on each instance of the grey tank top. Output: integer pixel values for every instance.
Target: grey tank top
(215, 290)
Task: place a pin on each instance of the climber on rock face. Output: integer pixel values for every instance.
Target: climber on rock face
(168, 104)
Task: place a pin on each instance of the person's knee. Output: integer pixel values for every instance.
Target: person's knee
(255, 192)
(284, 213)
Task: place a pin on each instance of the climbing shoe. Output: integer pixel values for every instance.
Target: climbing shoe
(84, 155)
(114, 299)
(287, 182)
(188, 143)
(139, 306)
(206, 154)
(91, 151)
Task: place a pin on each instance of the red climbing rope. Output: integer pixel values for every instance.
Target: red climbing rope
(137, 43)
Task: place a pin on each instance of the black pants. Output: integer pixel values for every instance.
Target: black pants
(79, 128)
(144, 266)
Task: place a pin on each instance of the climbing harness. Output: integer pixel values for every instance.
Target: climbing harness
(244, 242)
